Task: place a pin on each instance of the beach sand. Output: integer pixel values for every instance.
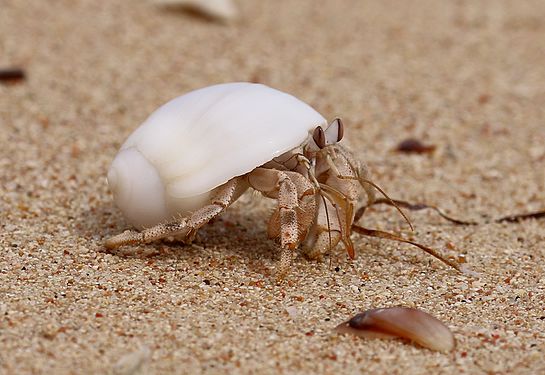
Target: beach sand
(467, 77)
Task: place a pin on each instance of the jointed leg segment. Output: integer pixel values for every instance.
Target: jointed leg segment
(296, 208)
(304, 213)
(184, 227)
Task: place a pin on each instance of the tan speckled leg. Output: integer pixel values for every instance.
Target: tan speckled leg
(185, 227)
(325, 234)
(295, 212)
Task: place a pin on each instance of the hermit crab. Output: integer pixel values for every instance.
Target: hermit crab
(197, 154)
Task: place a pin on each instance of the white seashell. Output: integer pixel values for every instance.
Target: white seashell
(199, 141)
(223, 10)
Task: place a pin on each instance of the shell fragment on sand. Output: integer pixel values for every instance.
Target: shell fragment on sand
(401, 322)
(222, 10)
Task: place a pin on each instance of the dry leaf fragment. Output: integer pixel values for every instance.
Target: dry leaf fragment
(414, 146)
(520, 217)
(12, 75)
(221, 10)
(421, 206)
(402, 322)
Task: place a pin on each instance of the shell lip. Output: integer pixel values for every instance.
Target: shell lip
(137, 188)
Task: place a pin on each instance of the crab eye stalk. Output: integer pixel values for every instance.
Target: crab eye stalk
(319, 137)
(334, 132)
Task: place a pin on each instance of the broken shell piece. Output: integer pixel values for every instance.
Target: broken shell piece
(292, 311)
(134, 363)
(222, 10)
(403, 322)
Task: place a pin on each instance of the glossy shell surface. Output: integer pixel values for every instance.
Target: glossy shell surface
(200, 140)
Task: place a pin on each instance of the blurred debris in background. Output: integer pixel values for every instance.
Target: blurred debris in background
(414, 146)
(134, 363)
(215, 10)
(12, 75)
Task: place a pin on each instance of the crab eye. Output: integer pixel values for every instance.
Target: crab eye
(319, 137)
(334, 132)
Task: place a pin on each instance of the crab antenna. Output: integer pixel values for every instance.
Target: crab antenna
(390, 200)
(390, 236)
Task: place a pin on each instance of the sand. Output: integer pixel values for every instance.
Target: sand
(467, 77)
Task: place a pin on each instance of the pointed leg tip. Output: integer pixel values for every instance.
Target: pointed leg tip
(119, 240)
(112, 243)
(282, 272)
(284, 264)
(280, 278)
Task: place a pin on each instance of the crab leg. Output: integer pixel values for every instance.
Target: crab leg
(359, 171)
(325, 234)
(295, 211)
(342, 205)
(185, 227)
